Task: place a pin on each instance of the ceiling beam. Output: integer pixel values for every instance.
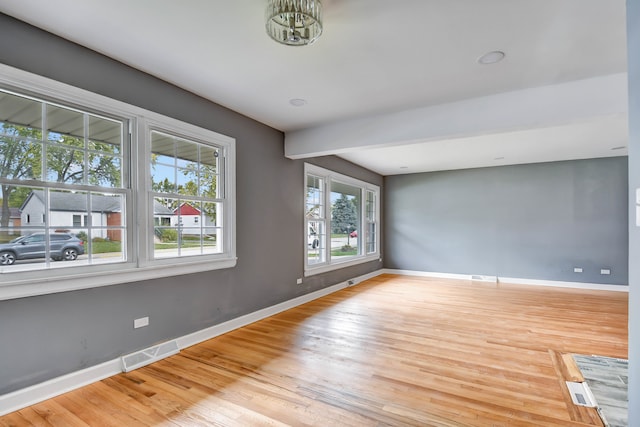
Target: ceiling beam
(546, 106)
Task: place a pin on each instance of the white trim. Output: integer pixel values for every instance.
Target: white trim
(139, 265)
(561, 284)
(514, 281)
(22, 398)
(99, 277)
(31, 395)
(427, 274)
(337, 265)
(328, 176)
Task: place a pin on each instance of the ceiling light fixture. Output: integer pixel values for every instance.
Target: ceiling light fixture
(491, 57)
(298, 102)
(294, 22)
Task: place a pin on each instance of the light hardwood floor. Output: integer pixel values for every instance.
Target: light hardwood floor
(394, 350)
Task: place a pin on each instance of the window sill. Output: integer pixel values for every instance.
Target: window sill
(312, 271)
(113, 275)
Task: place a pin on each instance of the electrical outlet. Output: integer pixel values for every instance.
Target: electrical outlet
(577, 269)
(299, 281)
(605, 271)
(141, 322)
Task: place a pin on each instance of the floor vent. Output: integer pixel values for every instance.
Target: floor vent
(149, 355)
(581, 394)
(477, 277)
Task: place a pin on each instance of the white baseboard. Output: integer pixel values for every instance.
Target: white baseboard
(27, 396)
(19, 399)
(514, 280)
(427, 274)
(560, 284)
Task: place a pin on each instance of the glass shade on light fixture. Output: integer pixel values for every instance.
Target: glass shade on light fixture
(294, 22)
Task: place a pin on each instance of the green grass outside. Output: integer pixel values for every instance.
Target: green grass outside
(105, 247)
(340, 252)
(185, 244)
(111, 246)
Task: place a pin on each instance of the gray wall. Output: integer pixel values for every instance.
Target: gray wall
(533, 221)
(47, 336)
(633, 45)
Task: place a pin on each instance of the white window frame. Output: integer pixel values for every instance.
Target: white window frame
(139, 264)
(333, 264)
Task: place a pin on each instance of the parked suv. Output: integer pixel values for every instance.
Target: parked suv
(62, 246)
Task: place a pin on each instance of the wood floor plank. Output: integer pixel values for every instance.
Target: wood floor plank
(394, 350)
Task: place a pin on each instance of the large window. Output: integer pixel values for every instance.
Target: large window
(96, 192)
(341, 220)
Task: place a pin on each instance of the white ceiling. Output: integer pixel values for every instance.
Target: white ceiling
(375, 58)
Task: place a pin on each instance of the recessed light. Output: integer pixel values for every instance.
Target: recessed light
(622, 147)
(491, 57)
(298, 102)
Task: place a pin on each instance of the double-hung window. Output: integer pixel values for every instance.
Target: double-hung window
(341, 220)
(94, 191)
(187, 194)
(58, 166)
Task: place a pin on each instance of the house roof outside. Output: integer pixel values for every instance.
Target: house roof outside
(14, 213)
(77, 202)
(186, 209)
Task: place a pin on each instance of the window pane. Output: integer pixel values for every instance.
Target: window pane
(316, 238)
(67, 210)
(188, 181)
(315, 197)
(105, 171)
(371, 238)
(65, 164)
(20, 159)
(186, 153)
(209, 185)
(371, 206)
(105, 135)
(20, 117)
(20, 137)
(212, 240)
(210, 215)
(163, 178)
(65, 126)
(209, 159)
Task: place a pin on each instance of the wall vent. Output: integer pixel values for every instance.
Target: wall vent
(581, 394)
(480, 278)
(149, 355)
